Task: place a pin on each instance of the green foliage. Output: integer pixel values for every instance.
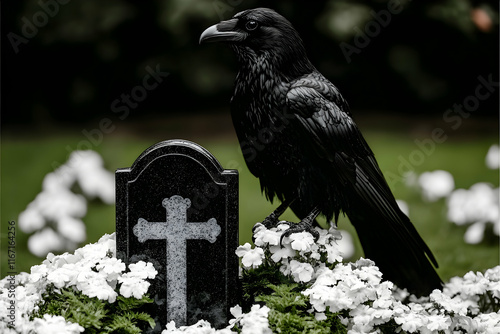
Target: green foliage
(95, 315)
(290, 309)
(290, 312)
(260, 281)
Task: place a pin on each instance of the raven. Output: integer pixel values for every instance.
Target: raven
(298, 137)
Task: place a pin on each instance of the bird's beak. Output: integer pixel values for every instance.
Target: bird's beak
(223, 32)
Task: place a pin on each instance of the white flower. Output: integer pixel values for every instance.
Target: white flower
(112, 268)
(344, 249)
(236, 311)
(493, 157)
(367, 271)
(438, 322)
(50, 324)
(474, 283)
(475, 233)
(264, 237)
(253, 322)
(62, 178)
(97, 251)
(453, 305)
(301, 241)
(493, 274)
(73, 271)
(348, 286)
(142, 270)
(170, 328)
(201, 327)
(332, 233)
(488, 323)
(281, 252)
(250, 258)
(61, 276)
(436, 184)
(133, 283)
(385, 298)
(133, 286)
(301, 272)
(333, 254)
(45, 241)
(72, 229)
(320, 316)
(60, 203)
(478, 204)
(411, 322)
(94, 284)
(326, 293)
(98, 183)
(256, 322)
(31, 220)
(93, 179)
(38, 272)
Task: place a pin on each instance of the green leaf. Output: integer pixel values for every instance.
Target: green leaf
(127, 304)
(290, 312)
(96, 316)
(284, 299)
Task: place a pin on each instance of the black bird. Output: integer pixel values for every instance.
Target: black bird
(298, 137)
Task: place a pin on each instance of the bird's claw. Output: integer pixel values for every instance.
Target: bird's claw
(300, 227)
(269, 222)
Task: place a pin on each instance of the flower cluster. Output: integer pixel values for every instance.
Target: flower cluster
(55, 215)
(365, 303)
(298, 255)
(493, 157)
(477, 206)
(56, 324)
(253, 322)
(351, 295)
(436, 184)
(92, 269)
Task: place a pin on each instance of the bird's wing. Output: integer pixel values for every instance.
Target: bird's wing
(331, 133)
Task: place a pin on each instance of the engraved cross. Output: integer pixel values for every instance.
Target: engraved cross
(176, 230)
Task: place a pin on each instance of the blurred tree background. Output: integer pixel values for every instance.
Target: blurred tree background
(67, 61)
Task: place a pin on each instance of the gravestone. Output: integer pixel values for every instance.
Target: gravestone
(178, 208)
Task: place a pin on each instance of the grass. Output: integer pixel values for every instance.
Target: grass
(26, 160)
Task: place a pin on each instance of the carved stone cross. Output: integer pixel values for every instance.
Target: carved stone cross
(176, 230)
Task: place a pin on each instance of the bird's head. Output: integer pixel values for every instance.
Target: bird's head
(261, 31)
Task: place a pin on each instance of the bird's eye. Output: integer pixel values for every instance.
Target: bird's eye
(251, 25)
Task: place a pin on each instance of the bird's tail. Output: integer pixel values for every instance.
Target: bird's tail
(397, 249)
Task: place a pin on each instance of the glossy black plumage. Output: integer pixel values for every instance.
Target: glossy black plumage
(298, 137)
